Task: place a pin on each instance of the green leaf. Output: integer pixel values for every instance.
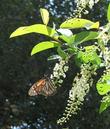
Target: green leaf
(106, 77)
(79, 23)
(89, 55)
(80, 37)
(44, 46)
(108, 13)
(83, 37)
(65, 38)
(44, 15)
(62, 53)
(36, 28)
(103, 88)
(103, 85)
(105, 103)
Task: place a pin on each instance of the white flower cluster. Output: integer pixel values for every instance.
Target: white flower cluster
(59, 72)
(84, 3)
(106, 64)
(80, 88)
(81, 6)
(106, 56)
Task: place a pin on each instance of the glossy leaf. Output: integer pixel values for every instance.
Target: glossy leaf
(45, 15)
(79, 23)
(36, 28)
(108, 13)
(44, 46)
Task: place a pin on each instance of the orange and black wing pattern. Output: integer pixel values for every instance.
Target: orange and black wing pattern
(44, 87)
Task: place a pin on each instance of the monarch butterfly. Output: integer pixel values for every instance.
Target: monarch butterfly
(44, 87)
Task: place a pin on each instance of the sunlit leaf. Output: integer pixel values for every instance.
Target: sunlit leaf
(89, 56)
(79, 23)
(44, 15)
(103, 88)
(105, 103)
(36, 28)
(44, 46)
(108, 13)
(94, 26)
(103, 85)
(106, 77)
(65, 38)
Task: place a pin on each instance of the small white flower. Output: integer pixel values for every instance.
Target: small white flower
(55, 74)
(56, 66)
(60, 81)
(51, 76)
(66, 68)
(64, 75)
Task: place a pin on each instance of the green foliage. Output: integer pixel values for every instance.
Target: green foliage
(79, 23)
(105, 103)
(37, 28)
(43, 46)
(103, 85)
(44, 15)
(79, 38)
(108, 13)
(62, 53)
(103, 88)
(90, 57)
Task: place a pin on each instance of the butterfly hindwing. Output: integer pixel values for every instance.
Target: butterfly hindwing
(49, 88)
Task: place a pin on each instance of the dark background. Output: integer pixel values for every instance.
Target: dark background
(18, 70)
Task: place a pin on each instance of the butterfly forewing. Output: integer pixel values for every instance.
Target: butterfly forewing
(44, 87)
(36, 87)
(32, 91)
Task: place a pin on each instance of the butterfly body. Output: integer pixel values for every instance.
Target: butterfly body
(44, 87)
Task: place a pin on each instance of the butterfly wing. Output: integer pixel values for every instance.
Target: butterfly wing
(44, 87)
(37, 87)
(49, 88)
(32, 91)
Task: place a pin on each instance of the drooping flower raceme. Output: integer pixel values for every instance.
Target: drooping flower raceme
(81, 85)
